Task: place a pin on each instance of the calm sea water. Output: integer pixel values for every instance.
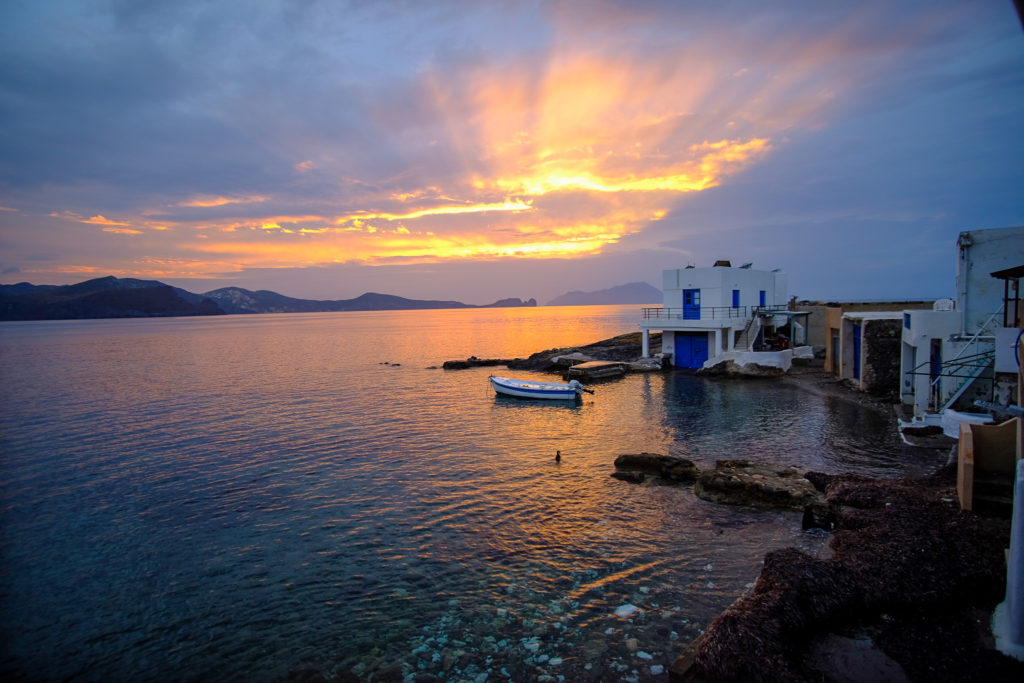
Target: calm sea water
(252, 497)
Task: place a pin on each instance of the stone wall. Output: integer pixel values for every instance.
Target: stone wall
(825, 318)
(883, 348)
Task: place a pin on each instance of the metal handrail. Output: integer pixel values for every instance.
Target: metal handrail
(705, 312)
(978, 333)
(711, 312)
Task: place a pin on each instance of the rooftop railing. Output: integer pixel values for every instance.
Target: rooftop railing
(708, 312)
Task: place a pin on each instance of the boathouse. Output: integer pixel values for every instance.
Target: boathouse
(707, 312)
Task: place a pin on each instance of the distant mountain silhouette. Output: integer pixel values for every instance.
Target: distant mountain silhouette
(632, 293)
(111, 297)
(238, 300)
(105, 297)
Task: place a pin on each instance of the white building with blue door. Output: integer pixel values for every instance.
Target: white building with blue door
(710, 311)
(952, 357)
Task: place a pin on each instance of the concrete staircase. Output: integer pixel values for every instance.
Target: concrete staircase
(749, 335)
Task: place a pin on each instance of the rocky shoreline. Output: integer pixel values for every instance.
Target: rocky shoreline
(625, 349)
(907, 594)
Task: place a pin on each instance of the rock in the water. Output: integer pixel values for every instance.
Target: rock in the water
(730, 368)
(632, 477)
(818, 516)
(741, 482)
(473, 362)
(910, 571)
(626, 610)
(573, 358)
(664, 466)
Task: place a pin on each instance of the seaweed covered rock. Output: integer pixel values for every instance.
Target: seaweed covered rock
(741, 482)
(909, 576)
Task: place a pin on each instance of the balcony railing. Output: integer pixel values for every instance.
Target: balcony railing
(708, 312)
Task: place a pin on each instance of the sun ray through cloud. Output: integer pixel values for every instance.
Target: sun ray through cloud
(608, 127)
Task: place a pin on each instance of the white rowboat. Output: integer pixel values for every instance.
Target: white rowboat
(527, 388)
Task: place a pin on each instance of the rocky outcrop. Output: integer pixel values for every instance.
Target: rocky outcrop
(625, 347)
(741, 482)
(631, 476)
(668, 467)
(473, 362)
(646, 365)
(912, 580)
(732, 369)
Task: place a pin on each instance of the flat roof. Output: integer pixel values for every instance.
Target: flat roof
(875, 315)
(1014, 273)
(789, 313)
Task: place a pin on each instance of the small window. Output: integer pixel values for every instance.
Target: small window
(906, 320)
(735, 298)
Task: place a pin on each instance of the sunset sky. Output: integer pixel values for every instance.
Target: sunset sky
(474, 150)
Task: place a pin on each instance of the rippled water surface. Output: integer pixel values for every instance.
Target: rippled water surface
(254, 497)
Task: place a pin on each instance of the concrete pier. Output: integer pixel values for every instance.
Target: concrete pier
(596, 369)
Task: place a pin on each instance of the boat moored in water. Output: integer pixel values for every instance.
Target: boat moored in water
(528, 388)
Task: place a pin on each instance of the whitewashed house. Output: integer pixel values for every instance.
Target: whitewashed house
(949, 355)
(708, 312)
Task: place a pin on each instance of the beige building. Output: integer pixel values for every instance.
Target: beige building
(831, 329)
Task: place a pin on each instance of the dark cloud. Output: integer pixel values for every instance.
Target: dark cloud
(892, 126)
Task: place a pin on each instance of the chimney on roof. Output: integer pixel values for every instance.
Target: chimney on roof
(722, 264)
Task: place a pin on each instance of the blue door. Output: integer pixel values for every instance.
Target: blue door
(691, 304)
(691, 349)
(856, 351)
(935, 361)
(735, 298)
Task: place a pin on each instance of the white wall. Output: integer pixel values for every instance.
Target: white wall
(717, 283)
(915, 389)
(980, 253)
(926, 325)
(668, 344)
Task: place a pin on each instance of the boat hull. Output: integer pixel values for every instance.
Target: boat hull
(520, 388)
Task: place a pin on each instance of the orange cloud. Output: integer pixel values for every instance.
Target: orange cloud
(718, 160)
(558, 160)
(102, 220)
(208, 201)
(122, 231)
(508, 205)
